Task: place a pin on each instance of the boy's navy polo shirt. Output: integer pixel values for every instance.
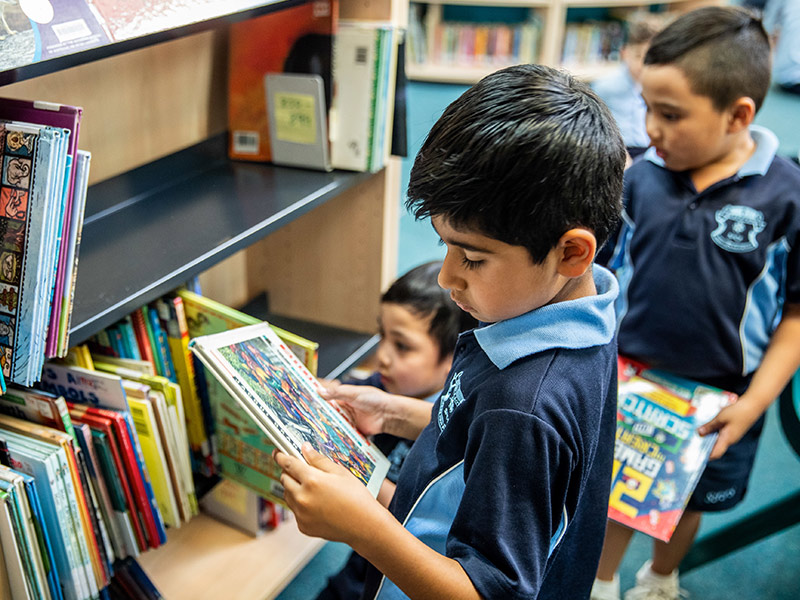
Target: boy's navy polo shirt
(704, 276)
(511, 476)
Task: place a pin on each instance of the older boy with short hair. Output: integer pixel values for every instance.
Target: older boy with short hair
(708, 258)
(504, 492)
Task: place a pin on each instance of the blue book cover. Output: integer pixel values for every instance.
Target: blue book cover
(44, 538)
(42, 467)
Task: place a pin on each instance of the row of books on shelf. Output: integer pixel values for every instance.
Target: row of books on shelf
(310, 90)
(108, 449)
(473, 44)
(42, 198)
(36, 31)
(592, 42)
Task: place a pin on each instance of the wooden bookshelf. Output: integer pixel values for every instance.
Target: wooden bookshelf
(553, 15)
(206, 559)
(166, 204)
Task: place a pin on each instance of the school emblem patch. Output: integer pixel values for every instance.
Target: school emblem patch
(450, 400)
(737, 228)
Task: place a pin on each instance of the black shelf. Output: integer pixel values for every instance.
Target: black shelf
(59, 63)
(339, 349)
(151, 229)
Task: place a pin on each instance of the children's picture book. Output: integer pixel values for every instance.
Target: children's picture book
(658, 454)
(271, 384)
(242, 451)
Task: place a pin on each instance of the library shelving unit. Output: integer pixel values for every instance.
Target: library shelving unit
(551, 18)
(165, 204)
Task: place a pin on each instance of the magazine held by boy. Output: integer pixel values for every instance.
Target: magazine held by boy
(280, 394)
(658, 455)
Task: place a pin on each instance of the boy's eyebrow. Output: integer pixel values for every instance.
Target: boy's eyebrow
(463, 245)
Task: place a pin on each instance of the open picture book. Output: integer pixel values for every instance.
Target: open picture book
(271, 384)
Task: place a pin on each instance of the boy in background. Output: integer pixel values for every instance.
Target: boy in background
(504, 492)
(709, 241)
(622, 90)
(418, 324)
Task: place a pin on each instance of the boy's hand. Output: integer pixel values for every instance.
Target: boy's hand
(327, 500)
(732, 423)
(365, 405)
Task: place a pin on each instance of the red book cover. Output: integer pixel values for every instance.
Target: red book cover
(106, 426)
(130, 464)
(142, 337)
(293, 40)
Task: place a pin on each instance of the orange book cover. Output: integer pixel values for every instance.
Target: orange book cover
(293, 40)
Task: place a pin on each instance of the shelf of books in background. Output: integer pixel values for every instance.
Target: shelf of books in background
(42, 200)
(101, 460)
(461, 44)
(658, 454)
(311, 40)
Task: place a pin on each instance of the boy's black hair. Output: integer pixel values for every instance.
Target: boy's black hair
(523, 156)
(419, 292)
(723, 51)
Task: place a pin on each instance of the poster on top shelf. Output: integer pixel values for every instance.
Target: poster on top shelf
(37, 30)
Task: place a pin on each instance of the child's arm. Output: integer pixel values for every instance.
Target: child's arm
(781, 361)
(329, 502)
(375, 411)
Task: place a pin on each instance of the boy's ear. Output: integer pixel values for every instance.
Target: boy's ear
(577, 248)
(742, 112)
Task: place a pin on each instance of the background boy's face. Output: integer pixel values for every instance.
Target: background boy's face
(684, 127)
(492, 280)
(408, 357)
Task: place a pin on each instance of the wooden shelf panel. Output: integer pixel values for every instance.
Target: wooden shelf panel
(208, 559)
(83, 56)
(504, 3)
(470, 75)
(151, 229)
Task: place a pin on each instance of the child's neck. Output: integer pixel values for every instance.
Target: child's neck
(727, 165)
(577, 287)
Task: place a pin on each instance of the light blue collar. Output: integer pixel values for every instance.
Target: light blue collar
(581, 323)
(757, 164)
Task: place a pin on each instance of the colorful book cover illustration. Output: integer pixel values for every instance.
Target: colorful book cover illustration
(658, 454)
(271, 384)
(243, 452)
(31, 184)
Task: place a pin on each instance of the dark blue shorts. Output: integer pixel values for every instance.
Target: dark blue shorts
(724, 481)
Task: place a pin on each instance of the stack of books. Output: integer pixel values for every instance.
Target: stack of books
(42, 200)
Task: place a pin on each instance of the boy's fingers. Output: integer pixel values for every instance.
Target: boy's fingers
(317, 460)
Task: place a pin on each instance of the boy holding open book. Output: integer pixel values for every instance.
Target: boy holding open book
(505, 490)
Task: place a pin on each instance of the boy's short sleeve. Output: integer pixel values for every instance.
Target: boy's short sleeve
(504, 540)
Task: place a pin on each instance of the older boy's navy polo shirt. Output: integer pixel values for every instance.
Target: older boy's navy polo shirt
(704, 276)
(511, 477)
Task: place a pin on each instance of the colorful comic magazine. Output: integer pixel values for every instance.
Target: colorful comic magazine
(658, 454)
(282, 397)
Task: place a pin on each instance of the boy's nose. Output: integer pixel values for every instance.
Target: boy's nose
(447, 278)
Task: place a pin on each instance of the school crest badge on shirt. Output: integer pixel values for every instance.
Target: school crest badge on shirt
(450, 400)
(737, 228)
